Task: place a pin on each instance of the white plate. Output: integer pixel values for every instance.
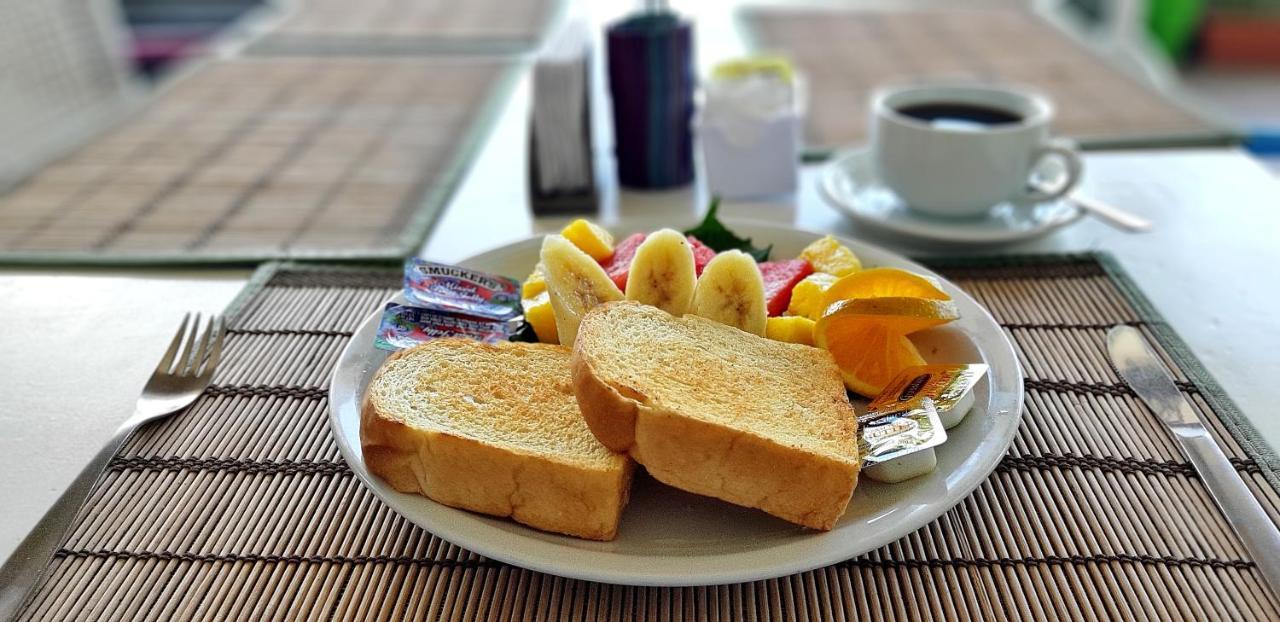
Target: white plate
(850, 185)
(668, 537)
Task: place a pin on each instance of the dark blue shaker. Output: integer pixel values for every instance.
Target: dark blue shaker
(651, 82)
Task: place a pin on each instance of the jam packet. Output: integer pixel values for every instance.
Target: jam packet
(949, 386)
(453, 289)
(404, 326)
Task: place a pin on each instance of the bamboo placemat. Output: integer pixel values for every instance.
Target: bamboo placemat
(407, 26)
(847, 54)
(240, 507)
(261, 158)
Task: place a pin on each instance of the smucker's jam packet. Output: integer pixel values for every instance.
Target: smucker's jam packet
(453, 289)
(886, 435)
(404, 327)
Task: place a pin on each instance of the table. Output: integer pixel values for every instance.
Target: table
(77, 346)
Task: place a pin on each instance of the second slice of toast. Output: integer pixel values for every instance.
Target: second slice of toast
(716, 411)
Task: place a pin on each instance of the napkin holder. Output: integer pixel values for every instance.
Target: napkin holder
(561, 165)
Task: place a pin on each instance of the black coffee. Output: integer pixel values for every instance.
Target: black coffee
(959, 114)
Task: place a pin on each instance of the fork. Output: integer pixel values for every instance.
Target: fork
(182, 375)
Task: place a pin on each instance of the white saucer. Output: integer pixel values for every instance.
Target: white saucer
(850, 185)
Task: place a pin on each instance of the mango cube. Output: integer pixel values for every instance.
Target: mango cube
(591, 238)
(806, 297)
(535, 284)
(829, 255)
(791, 329)
(538, 313)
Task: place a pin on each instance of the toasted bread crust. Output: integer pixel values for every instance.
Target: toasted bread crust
(712, 460)
(744, 469)
(610, 416)
(474, 475)
(703, 457)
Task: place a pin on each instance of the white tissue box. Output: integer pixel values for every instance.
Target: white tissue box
(754, 161)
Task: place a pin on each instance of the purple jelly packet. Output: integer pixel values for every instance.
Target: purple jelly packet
(404, 327)
(442, 287)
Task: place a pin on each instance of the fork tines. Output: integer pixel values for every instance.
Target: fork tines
(195, 349)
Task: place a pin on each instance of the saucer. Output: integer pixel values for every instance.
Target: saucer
(850, 185)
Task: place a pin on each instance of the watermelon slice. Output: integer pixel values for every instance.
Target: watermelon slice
(780, 277)
(619, 265)
(702, 254)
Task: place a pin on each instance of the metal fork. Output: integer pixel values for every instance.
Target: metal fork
(182, 375)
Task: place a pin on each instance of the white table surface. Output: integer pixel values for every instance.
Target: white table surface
(77, 345)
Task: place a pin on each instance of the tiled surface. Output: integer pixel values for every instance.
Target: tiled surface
(261, 157)
(406, 25)
(847, 54)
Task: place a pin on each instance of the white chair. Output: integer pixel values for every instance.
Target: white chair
(1120, 36)
(62, 78)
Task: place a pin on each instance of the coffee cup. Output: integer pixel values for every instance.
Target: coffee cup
(958, 150)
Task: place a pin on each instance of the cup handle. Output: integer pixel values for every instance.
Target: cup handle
(1064, 151)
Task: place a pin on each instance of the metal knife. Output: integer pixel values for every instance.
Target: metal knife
(1143, 372)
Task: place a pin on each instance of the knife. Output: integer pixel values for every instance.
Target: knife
(1148, 378)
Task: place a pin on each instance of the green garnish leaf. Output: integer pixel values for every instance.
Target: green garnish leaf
(719, 238)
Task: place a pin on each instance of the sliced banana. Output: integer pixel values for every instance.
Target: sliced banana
(662, 272)
(731, 291)
(575, 282)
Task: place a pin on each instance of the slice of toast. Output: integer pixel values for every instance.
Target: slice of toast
(493, 428)
(716, 411)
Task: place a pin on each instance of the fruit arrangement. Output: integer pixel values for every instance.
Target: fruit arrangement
(823, 298)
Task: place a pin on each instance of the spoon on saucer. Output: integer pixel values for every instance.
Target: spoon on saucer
(1108, 214)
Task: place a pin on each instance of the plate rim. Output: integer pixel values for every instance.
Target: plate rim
(727, 568)
(827, 177)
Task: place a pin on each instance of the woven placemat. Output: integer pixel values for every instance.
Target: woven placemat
(847, 54)
(241, 508)
(261, 158)
(406, 26)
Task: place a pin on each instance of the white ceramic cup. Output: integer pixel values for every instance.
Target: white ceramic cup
(964, 170)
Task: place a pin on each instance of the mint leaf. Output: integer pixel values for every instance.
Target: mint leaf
(719, 238)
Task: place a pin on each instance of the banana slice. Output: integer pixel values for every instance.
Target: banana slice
(662, 272)
(731, 291)
(575, 282)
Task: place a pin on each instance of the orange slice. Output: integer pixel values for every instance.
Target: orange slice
(882, 283)
(873, 360)
(867, 337)
(897, 315)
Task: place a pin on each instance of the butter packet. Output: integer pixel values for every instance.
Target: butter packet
(948, 386)
(404, 327)
(927, 400)
(453, 289)
(888, 435)
(898, 445)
